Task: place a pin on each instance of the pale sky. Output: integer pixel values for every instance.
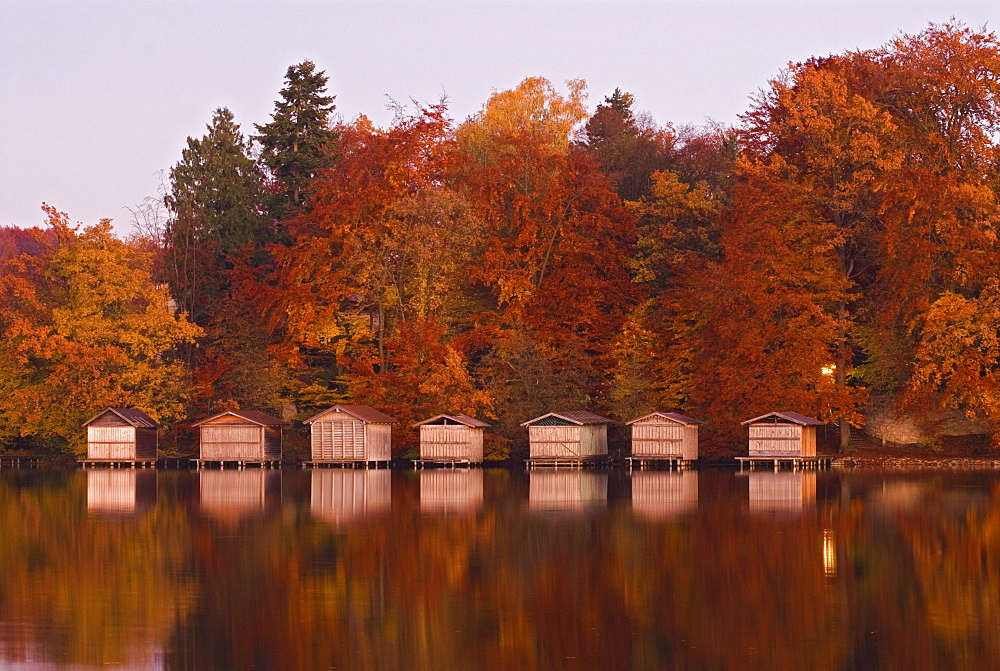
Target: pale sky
(98, 97)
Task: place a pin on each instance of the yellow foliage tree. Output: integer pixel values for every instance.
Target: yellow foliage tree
(84, 326)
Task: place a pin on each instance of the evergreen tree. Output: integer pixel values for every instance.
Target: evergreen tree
(298, 142)
(215, 202)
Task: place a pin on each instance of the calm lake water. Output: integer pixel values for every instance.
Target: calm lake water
(496, 569)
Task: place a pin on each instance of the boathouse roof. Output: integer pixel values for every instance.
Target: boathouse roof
(132, 416)
(465, 420)
(252, 416)
(673, 416)
(578, 417)
(365, 413)
(792, 417)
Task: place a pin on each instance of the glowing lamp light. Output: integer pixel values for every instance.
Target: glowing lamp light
(828, 370)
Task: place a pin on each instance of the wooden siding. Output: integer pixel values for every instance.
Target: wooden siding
(769, 439)
(451, 443)
(342, 495)
(781, 490)
(571, 490)
(120, 490)
(230, 441)
(451, 490)
(272, 442)
(659, 437)
(664, 494)
(562, 442)
(378, 439)
(113, 442)
(146, 444)
(338, 437)
(233, 494)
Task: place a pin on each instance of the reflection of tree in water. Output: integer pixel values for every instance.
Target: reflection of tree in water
(844, 583)
(85, 589)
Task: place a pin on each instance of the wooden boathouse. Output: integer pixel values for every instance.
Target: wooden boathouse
(451, 439)
(664, 437)
(783, 437)
(240, 437)
(346, 435)
(570, 438)
(121, 437)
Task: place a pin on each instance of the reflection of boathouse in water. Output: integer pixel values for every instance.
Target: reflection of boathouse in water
(777, 491)
(117, 491)
(664, 494)
(344, 495)
(347, 434)
(451, 439)
(451, 490)
(563, 491)
(121, 436)
(231, 495)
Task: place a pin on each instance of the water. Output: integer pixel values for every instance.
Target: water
(494, 569)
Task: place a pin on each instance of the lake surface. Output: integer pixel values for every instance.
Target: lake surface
(496, 569)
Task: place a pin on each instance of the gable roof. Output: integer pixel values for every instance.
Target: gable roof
(675, 416)
(133, 416)
(460, 419)
(793, 417)
(578, 417)
(252, 416)
(365, 413)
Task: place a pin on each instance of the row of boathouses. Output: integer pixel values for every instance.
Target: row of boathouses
(359, 434)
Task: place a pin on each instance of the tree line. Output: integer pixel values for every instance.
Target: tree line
(837, 246)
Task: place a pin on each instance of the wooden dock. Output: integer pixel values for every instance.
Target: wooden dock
(239, 464)
(445, 463)
(117, 463)
(11, 461)
(345, 464)
(567, 462)
(795, 463)
(668, 463)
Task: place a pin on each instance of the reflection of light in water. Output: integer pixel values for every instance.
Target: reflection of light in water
(663, 494)
(566, 490)
(829, 553)
(781, 490)
(120, 490)
(451, 489)
(344, 494)
(232, 494)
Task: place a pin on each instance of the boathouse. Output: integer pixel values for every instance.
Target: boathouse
(667, 436)
(452, 439)
(571, 437)
(782, 435)
(350, 433)
(241, 436)
(121, 435)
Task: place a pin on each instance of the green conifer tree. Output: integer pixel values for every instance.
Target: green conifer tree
(298, 142)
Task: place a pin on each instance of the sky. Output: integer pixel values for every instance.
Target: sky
(98, 97)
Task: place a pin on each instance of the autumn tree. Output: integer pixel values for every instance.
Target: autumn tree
(84, 327)
(298, 142)
(627, 146)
